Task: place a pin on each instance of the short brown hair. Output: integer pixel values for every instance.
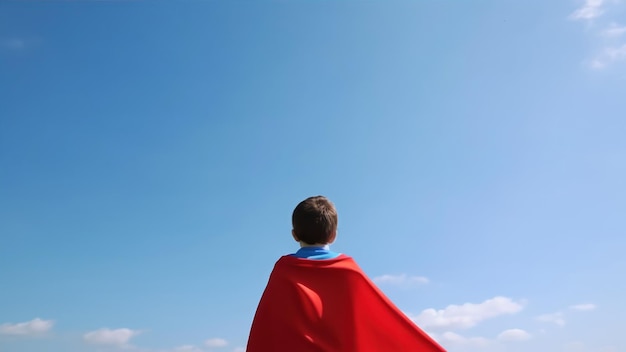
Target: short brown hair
(314, 220)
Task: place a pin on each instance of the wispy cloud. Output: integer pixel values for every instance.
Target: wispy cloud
(606, 32)
(553, 318)
(449, 338)
(617, 53)
(558, 318)
(590, 10)
(609, 56)
(466, 315)
(583, 307)
(614, 30)
(514, 335)
(187, 348)
(111, 337)
(402, 279)
(34, 327)
(13, 44)
(216, 342)
(18, 44)
(574, 346)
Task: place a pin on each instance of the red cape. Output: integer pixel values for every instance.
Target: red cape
(330, 306)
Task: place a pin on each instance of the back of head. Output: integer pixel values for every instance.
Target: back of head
(315, 220)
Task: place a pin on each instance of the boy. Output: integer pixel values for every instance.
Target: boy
(317, 300)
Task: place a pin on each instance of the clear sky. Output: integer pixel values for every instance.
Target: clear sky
(151, 154)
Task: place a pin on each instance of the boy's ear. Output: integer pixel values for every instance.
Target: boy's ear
(293, 233)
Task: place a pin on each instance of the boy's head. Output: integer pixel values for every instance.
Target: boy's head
(314, 221)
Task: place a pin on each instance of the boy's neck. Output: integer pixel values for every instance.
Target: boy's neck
(322, 245)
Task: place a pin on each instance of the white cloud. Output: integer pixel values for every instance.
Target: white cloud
(611, 48)
(590, 10)
(583, 307)
(609, 56)
(558, 318)
(578, 346)
(597, 64)
(216, 342)
(451, 338)
(401, 279)
(18, 44)
(466, 315)
(554, 318)
(112, 337)
(33, 327)
(187, 348)
(514, 335)
(617, 53)
(13, 44)
(614, 30)
(575, 346)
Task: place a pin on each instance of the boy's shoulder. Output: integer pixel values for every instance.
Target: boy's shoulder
(295, 260)
(343, 262)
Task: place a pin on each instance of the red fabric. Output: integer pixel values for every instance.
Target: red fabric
(330, 306)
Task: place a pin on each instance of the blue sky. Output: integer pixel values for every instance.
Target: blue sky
(151, 153)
